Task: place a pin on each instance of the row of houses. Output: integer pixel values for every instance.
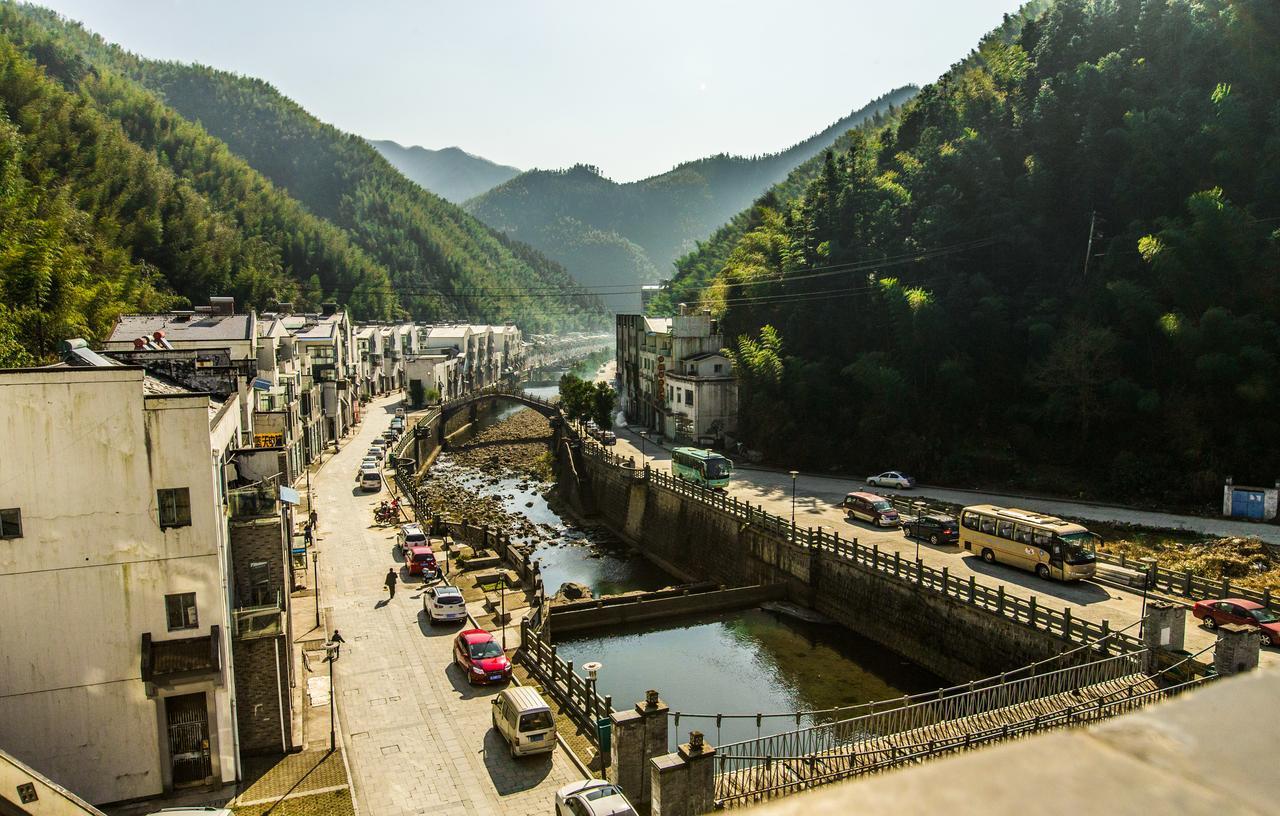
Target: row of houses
(150, 531)
(674, 378)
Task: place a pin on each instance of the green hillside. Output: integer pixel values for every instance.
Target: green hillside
(1058, 269)
(620, 235)
(134, 205)
(451, 173)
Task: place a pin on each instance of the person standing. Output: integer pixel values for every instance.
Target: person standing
(391, 582)
(314, 518)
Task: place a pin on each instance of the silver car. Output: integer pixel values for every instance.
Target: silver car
(892, 478)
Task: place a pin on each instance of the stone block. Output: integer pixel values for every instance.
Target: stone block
(1236, 650)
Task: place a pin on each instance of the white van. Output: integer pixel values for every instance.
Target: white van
(370, 480)
(524, 720)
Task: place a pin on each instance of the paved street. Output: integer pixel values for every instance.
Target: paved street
(816, 503)
(418, 737)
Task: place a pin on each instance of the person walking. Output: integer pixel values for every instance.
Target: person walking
(337, 640)
(314, 518)
(391, 582)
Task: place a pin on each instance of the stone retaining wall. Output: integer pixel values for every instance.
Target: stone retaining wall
(645, 607)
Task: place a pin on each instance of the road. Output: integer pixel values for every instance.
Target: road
(418, 737)
(816, 500)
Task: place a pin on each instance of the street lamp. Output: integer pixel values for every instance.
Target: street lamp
(315, 577)
(794, 474)
(333, 649)
(643, 436)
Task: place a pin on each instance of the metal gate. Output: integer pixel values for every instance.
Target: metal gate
(1247, 503)
(188, 738)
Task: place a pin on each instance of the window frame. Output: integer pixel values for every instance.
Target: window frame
(5, 535)
(171, 494)
(178, 597)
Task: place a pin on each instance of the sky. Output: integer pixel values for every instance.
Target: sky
(631, 87)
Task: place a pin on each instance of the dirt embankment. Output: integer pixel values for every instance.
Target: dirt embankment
(1246, 561)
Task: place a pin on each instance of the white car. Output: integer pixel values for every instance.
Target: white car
(444, 603)
(892, 478)
(592, 797)
(375, 453)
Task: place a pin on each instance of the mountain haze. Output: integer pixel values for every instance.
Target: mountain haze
(451, 173)
(621, 235)
(132, 185)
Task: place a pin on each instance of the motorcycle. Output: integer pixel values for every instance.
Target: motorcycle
(387, 513)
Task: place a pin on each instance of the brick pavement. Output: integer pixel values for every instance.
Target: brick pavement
(418, 737)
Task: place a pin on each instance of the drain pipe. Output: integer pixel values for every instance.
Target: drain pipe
(284, 742)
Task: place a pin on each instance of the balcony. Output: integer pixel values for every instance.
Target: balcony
(254, 501)
(181, 659)
(249, 622)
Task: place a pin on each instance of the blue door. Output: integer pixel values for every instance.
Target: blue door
(1247, 504)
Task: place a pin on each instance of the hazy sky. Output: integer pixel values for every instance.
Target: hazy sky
(631, 87)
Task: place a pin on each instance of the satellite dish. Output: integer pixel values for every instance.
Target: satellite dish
(593, 668)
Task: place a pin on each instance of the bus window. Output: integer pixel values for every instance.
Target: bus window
(1022, 534)
(1006, 529)
(1041, 539)
(971, 521)
(988, 525)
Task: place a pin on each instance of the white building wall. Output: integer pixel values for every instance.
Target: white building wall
(82, 460)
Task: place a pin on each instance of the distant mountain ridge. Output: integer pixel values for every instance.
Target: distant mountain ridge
(621, 235)
(451, 172)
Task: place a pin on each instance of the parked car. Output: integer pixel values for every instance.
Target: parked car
(524, 720)
(936, 529)
(871, 508)
(370, 479)
(376, 452)
(400, 413)
(592, 797)
(892, 478)
(480, 657)
(608, 438)
(1238, 610)
(397, 424)
(444, 603)
(420, 560)
(411, 535)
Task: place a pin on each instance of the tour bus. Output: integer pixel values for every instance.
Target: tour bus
(1047, 546)
(704, 467)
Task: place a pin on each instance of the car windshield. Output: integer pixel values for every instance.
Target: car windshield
(483, 651)
(1264, 616)
(537, 721)
(882, 506)
(718, 468)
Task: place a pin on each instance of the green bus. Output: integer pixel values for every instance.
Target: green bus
(704, 467)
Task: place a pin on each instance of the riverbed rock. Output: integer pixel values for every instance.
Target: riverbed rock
(573, 591)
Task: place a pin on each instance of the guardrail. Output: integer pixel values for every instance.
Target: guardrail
(1177, 583)
(1026, 611)
(557, 677)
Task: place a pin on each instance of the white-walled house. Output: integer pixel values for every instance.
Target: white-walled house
(115, 647)
(702, 399)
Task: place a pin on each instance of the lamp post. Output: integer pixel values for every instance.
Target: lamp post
(315, 578)
(794, 474)
(642, 439)
(502, 595)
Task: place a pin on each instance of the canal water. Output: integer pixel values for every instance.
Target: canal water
(740, 663)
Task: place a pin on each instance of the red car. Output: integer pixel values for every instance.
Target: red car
(421, 560)
(1236, 610)
(480, 657)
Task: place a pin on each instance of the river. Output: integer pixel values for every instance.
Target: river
(742, 662)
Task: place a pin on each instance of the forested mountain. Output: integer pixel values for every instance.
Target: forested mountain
(1058, 268)
(451, 173)
(610, 234)
(115, 201)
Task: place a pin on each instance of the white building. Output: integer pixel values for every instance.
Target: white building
(115, 648)
(702, 399)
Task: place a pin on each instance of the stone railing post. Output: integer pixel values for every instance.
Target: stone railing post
(654, 713)
(699, 757)
(684, 783)
(1236, 650)
(1163, 631)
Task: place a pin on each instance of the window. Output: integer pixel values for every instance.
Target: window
(988, 526)
(971, 521)
(181, 611)
(688, 397)
(718, 368)
(260, 592)
(1041, 539)
(11, 523)
(1022, 534)
(1006, 529)
(175, 507)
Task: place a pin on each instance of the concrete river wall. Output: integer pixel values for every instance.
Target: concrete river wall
(956, 628)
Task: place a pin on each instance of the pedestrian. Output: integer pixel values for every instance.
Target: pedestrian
(337, 640)
(391, 582)
(314, 518)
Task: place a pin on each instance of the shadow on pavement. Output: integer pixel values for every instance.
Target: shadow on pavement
(1081, 592)
(441, 629)
(512, 775)
(465, 690)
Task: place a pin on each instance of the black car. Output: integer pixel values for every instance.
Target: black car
(937, 529)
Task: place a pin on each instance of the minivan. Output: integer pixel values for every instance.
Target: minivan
(871, 508)
(524, 720)
(370, 480)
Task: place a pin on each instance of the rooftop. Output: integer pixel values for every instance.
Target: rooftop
(179, 327)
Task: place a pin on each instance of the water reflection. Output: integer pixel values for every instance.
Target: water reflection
(742, 663)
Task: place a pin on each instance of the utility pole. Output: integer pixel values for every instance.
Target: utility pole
(1088, 252)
